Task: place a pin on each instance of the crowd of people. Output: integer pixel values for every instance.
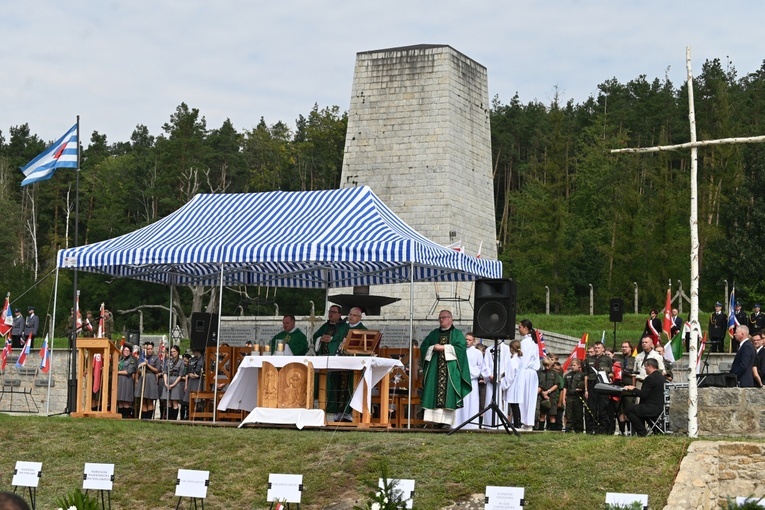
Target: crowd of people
(533, 391)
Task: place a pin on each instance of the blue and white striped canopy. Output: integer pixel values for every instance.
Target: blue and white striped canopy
(305, 239)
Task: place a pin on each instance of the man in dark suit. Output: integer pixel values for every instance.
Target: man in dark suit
(651, 398)
(744, 360)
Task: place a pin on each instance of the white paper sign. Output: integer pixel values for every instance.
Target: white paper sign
(403, 487)
(740, 500)
(284, 488)
(504, 498)
(99, 477)
(192, 483)
(621, 498)
(27, 474)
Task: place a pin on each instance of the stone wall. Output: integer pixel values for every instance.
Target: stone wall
(711, 472)
(419, 135)
(721, 411)
(30, 377)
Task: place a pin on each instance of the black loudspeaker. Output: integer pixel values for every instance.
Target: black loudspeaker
(134, 337)
(617, 309)
(716, 381)
(494, 309)
(203, 328)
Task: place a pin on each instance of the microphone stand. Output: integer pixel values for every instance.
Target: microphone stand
(493, 406)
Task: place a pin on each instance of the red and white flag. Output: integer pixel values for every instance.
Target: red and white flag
(579, 351)
(45, 356)
(98, 364)
(457, 246)
(699, 366)
(6, 323)
(6, 352)
(541, 343)
(666, 326)
(24, 354)
(101, 328)
(478, 254)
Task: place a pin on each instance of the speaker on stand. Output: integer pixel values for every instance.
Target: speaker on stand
(204, 328)
(494, 318)
(616, 312)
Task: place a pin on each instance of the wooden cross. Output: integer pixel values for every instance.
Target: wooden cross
(694, 144)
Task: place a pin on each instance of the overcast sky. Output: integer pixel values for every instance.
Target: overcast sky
(119, 64)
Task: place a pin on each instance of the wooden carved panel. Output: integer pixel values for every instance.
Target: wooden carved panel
(296, 386)
(269, 385)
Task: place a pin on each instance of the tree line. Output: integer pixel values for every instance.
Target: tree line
(569, 214)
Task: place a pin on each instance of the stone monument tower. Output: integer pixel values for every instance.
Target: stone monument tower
(419, 136)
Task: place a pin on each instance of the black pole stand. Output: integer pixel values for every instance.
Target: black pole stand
(192, 503)
(614, 345)
(493, 406)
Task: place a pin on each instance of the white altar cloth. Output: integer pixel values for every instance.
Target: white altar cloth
(242, 393)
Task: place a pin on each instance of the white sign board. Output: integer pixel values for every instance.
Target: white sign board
(403, 487)
(504, 498)
(99, 477)
(192, 483)
(624, 499)
(27, 474)
(284, 488)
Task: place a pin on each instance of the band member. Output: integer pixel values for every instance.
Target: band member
(173, 376)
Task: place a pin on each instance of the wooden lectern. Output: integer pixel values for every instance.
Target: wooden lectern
(107, 407)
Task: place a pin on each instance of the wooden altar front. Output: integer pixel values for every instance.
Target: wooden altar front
(106, 407)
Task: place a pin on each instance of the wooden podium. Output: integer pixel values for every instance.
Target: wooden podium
(107, 407)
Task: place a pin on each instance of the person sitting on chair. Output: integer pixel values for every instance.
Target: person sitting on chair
(651, 398)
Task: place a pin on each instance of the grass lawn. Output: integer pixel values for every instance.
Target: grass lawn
(558, 470)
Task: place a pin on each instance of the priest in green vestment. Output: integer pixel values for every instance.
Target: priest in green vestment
(329, 336)
(293, 340)
(340, 383)
(446, 374)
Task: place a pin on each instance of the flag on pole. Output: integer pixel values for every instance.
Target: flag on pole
(61, 154)
(100, 333)
(478, 254)
(673, 349)
(457, 246)
(6, 324)
(541, 343)
(666, 326)
(6, 352)
(45, 356)
(98, 364)
(77, 312)
(24, 354)
(732, 321)
(701, 352)
(579, 351)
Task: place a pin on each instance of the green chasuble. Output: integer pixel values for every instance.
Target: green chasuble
(337, 331)
(295, 339)
(445, 382)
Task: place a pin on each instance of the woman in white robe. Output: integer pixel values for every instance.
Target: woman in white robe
(529, 380)
(471, 402)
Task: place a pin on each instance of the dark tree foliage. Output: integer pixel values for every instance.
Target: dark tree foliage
(569, 214)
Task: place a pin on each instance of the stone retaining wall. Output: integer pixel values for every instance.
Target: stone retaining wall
(721, 411)
(713, 471)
